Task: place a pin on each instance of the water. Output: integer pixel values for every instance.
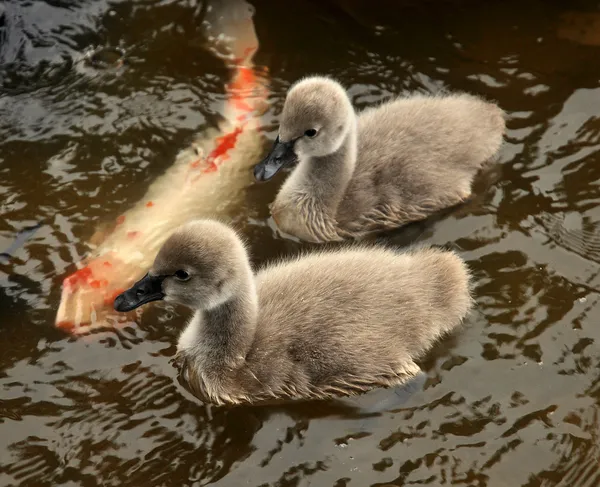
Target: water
(511, 400)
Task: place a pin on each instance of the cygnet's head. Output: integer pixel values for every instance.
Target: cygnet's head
(201, 265)
(316, 117)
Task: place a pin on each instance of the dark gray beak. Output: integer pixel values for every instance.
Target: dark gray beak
(282, 154)
(148, 288)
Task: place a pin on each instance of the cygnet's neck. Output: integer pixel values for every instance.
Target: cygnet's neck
(325, 178)
(222, 335)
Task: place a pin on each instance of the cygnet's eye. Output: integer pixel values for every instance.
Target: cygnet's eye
(310, 133)
(182, 275)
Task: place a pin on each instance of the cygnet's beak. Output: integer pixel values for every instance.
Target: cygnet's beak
(148, 288)
(282, 154)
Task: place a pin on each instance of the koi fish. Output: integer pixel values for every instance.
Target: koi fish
(207, 179)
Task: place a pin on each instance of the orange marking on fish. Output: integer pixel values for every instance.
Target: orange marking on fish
(225, 144)
(95, 284)
(150, 204)
(107, 264)
(120, 220)
(81, 276)
(195, 164)
(241, 104)
(211, 168)
(65, 325)
(132, 234)
(245, 78)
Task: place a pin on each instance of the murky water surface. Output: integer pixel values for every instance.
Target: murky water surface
(511, 400)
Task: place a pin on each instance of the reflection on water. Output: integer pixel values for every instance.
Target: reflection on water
(513, 399)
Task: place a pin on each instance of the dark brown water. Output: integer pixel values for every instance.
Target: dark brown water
(511, 400)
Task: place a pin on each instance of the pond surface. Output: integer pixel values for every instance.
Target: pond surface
(513, 399)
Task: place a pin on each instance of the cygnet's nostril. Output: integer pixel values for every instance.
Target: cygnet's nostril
(140, 291)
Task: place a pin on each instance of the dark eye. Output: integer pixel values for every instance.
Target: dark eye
(182, 275)
(311, 133)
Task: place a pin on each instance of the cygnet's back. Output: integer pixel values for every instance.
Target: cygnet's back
(347, 321)
(417, 155)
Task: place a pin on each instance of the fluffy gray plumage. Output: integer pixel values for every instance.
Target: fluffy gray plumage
(398, 162)
(321, 325)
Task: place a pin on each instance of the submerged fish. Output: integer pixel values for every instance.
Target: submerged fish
(207, 179)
